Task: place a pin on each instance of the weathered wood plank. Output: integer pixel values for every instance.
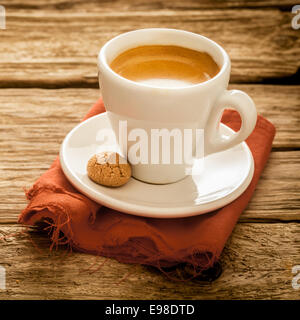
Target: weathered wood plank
(50, 47)
(276, 197)
(143, 5)
(257, 264)
(281, 105)
(35, 107)
(32, 128)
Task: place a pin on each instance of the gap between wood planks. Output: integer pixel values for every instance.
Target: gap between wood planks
(283, 5)
(92, 83)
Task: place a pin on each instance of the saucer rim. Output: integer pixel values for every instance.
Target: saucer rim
(144, 210)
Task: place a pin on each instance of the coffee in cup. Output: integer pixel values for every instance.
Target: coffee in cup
(165, 65)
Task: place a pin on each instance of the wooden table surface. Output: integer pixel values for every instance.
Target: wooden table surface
(48, 80)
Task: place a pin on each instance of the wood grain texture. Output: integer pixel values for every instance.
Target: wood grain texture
(276, 197)
(141, 5)
(35, 121)
(257, 263)
(55, 44)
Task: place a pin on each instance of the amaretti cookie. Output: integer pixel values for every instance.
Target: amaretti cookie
(109, 169)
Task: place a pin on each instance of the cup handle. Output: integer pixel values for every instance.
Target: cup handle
(240, 101)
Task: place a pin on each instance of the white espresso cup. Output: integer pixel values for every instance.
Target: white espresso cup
(147, 107)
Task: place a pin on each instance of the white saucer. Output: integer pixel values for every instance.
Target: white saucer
(226, 176)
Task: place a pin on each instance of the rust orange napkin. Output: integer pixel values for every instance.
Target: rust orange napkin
(72, 218)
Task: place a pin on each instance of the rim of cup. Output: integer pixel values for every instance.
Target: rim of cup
(103, 64)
